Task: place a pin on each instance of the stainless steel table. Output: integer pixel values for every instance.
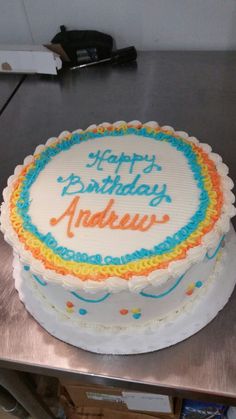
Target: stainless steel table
(9, 84)
(193, 91)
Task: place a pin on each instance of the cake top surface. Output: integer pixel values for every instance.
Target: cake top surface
(117, 205)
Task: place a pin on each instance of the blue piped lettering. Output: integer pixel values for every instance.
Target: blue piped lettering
(100, 157)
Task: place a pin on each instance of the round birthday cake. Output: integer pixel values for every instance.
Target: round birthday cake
(121, 236)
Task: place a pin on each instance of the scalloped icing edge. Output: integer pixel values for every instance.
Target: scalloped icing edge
(137, 283)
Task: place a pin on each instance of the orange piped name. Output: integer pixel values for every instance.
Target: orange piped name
(107, 218)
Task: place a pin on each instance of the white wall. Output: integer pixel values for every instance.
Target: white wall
(147, 24)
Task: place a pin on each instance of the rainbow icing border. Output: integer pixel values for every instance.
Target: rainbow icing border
(173, 249)
(208, 212)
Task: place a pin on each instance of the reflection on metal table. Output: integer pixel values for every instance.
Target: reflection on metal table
(194, 92)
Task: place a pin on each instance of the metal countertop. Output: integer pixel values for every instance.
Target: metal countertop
(8, 83)
(193, 91)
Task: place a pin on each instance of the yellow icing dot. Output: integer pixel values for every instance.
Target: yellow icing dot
(136, 310)
(69, 309)
(191, 286)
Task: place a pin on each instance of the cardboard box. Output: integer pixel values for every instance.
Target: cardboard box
(117, 399)
(83, 412)
(96, 413)
(112, 414)
(28, 59)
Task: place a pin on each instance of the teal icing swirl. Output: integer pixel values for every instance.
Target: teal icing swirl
(40, 281)
(90, 300)
(216, 250)
(165, 293)
(167, 245)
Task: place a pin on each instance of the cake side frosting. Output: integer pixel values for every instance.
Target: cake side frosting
(201, 307)
(129, 311)
(134, 270)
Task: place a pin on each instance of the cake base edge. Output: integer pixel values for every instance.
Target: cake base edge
(171, 332)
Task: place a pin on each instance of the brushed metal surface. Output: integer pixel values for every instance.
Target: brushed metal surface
(8, 83)
(193, 91)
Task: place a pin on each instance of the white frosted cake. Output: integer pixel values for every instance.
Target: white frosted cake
(121, 236)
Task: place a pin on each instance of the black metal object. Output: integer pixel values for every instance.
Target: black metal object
(22, 79)
(21, 390)
(84, 46)
(11, 406)
(120, 56)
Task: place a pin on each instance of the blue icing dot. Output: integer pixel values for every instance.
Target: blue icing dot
(198, 284)
(82, 311)
(26, 268)
(137, 316)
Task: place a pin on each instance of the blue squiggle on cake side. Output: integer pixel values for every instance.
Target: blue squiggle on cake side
(216, 250)
(165, 293)
(40, 281)
(167, 245)
(89, 300)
